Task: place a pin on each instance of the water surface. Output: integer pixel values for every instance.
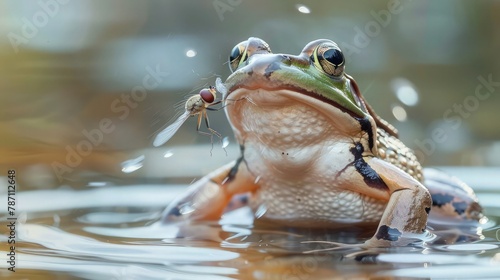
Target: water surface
(112, 232)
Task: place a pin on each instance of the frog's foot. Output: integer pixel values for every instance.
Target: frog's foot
(204, 200)
(207, 198)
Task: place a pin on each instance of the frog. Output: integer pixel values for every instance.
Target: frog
(314, 154)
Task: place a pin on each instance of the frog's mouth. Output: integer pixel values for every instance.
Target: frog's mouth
(259, 109)
(310, 98)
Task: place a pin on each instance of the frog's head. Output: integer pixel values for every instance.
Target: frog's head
(306, 98)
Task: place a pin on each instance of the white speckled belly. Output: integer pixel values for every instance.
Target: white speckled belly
(296, 152)
(301, 203)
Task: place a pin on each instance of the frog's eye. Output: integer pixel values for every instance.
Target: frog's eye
(245, 49)
(328, 58)
(238, 55)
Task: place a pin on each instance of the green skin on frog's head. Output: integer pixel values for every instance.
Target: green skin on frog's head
(318, 71)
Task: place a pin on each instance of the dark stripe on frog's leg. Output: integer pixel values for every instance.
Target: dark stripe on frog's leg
(387, 233)
(234, 169)
(452, 199)
(439, 199)
(460, 207)
(370, 176)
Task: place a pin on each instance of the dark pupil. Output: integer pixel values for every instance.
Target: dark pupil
(235, 53)
(334, 56)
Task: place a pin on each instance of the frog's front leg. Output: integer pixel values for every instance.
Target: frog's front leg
(207, 198)
(407, 210)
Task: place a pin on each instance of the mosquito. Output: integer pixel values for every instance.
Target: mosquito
(196, 105)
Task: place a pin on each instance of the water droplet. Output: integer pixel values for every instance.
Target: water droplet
(132, 165)
(303, 9)
(225, 142)
(168, 154)
(405, 91)
(399, 113)
(190, 53)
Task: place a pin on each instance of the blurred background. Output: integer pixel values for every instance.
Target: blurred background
(85, 85)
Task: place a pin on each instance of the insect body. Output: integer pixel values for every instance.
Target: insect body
(196, 105)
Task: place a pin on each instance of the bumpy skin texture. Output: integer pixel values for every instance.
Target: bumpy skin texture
(392, 150)
(313, 153)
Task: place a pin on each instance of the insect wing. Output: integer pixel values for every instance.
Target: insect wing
(168, 132)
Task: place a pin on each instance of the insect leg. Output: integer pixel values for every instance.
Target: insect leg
(200, 116)
(205, 115)
(215, 103)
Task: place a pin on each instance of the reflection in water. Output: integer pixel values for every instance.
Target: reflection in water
(97, 269)
(470, 247)
(475, 270)
(121, 238)
(77, 245)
